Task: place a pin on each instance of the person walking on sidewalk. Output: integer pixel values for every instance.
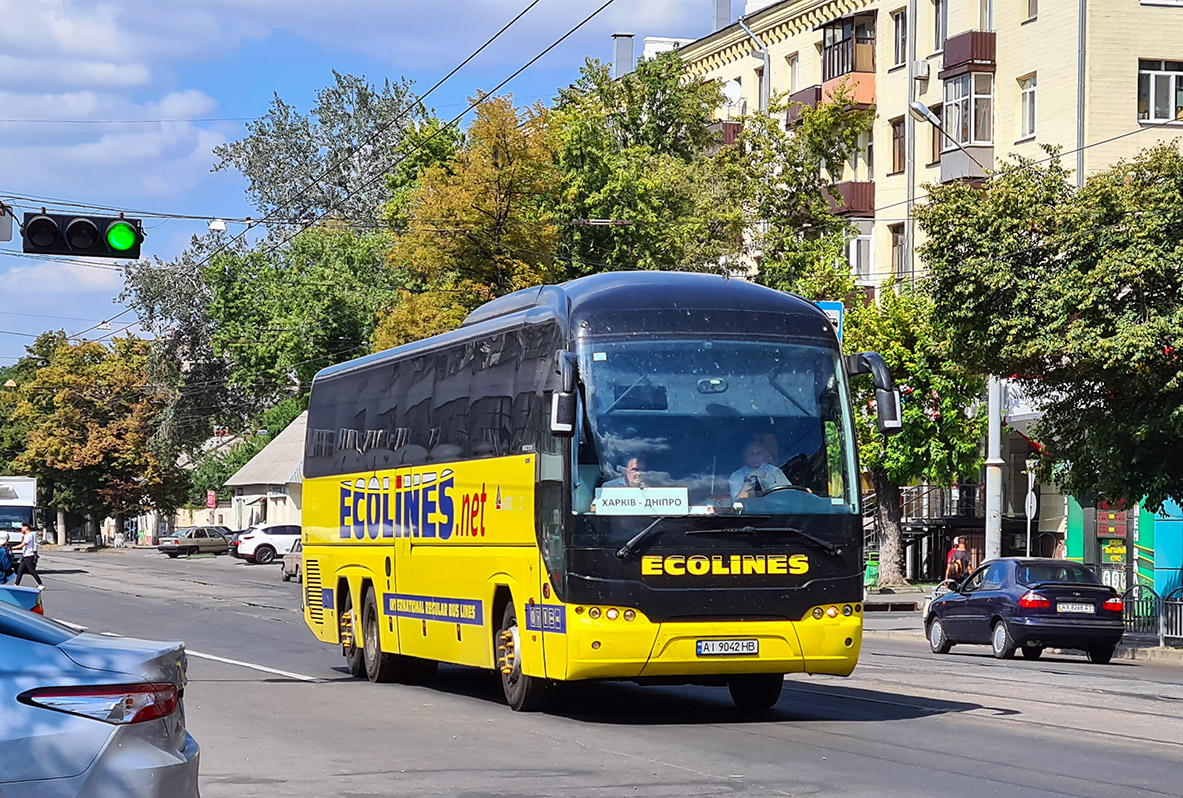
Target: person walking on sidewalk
(28, 556)
(958, 562)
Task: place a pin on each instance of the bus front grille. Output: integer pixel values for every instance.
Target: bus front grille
(313, 597)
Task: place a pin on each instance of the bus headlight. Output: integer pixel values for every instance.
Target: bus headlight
(817, 613)
(847, 610)
(832, 612)
(594, 612)
(629, 615)
(612, 614)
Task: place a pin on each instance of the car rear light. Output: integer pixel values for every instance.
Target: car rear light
(118, 704)
(39, 608)
(1115, 604)
(1032, 600)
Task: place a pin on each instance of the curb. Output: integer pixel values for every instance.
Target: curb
(1158, 654)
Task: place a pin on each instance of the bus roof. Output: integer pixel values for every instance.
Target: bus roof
(634, 292)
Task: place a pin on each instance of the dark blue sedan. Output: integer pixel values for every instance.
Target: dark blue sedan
(1026, 605)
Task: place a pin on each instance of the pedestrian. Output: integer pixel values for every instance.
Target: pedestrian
(958, 562)
(6, 567)
(28, 556)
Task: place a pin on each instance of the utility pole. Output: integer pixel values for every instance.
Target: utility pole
(994, 398)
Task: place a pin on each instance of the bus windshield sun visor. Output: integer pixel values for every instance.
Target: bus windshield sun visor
(755, 530)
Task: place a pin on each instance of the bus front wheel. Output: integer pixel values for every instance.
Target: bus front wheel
(523, 693)
(756, 691)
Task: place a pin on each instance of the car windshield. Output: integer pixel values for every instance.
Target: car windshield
(13, 517)
(1033, 573)
(25, 625)
(713, 426)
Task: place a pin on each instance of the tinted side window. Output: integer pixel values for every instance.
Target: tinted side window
(495, 366)
(995, 576)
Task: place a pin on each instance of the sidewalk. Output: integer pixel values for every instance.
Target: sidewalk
(910, 626)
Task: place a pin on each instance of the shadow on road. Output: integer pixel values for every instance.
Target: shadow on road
(624, 703)
(61, 571)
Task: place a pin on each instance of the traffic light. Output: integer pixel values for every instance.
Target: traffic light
(90, 236)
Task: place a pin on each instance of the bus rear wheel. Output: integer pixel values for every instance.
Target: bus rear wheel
(523, 693)
(354, 660)
(756, 691)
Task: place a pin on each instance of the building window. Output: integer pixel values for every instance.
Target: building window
(1160, 91)
(938, 139)
(1027, 107)
(1032, 9)
(848, 45)
(858, 255)
(898, 156)
(900, 37)
(760, 89)
(792, 72)
(940, 25)
(899, 264)
(986, 15)
(969, 109)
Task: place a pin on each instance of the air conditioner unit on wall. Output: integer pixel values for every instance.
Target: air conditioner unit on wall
(920, 70)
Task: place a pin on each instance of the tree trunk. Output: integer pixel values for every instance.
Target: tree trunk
(887, 495)
(61, 530)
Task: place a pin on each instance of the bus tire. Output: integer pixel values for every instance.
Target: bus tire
(523, 693)
(379, 666)
(756, 691)
(354, 658)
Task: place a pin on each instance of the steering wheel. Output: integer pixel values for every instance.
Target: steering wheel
(776, 488)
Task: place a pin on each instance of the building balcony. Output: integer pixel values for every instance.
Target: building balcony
(860, 88)
(810, 96)
(967, 51)
(852, 198)
(727, 133)
(958, 165)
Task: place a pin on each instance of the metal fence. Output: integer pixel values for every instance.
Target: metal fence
(1143, 608)
(1170, 630)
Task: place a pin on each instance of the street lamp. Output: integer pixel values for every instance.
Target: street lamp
(922, 113)
(995, 390)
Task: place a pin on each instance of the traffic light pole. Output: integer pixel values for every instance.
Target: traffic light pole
(994, 394)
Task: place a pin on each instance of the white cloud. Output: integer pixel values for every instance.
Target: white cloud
(53, 277)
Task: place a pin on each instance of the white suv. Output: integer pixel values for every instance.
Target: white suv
(265, 542)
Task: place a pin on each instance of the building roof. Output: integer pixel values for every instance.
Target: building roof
(280, 463)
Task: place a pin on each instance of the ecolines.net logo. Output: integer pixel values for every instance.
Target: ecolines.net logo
(416, 505)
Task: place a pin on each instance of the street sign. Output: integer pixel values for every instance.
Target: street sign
(5, 222)
(211, 499)
(834, 311)
(1029, 506)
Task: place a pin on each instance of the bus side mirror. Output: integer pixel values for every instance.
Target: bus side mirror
(887, 396)
(563, 405)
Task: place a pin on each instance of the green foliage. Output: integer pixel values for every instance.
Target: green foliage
(1079, 293)
(940, 439)
(87, 413)
(330, 161)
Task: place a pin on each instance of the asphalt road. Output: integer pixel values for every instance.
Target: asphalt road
(289, 721)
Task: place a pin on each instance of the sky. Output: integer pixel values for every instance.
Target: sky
(120, 103)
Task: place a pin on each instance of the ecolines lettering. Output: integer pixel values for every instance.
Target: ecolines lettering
(725, 565)
(422, 507)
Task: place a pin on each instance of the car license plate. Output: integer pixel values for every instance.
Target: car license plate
(1076, 606)
(711, 648)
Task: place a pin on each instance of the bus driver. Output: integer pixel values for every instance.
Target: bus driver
(756, 473)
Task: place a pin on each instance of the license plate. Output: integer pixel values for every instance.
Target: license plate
(1076, 606)
(712, 648)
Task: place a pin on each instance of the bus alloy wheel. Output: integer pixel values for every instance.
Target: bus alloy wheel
(354, 658)
(523, 693)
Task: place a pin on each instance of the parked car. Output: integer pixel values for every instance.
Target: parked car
(91, 715)
(193, 540)
(263, 543)
(27, 598)
(291, 565)
(234, 537)
(1026, 605)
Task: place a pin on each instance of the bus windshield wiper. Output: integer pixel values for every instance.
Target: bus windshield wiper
(627, 548)
(750, 530)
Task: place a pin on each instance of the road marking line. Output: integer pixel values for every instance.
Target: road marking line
(262, 668)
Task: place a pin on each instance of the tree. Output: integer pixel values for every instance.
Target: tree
(635, 151)
(1078, 293)
(330, 161)
(940, 438)
(479, 225)
(89, 414)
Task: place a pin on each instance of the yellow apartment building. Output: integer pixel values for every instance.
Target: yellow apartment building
(1103, 79)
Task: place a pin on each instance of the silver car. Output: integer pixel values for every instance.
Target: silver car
(88, 716)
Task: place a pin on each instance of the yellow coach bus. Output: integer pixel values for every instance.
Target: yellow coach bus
(642, 476)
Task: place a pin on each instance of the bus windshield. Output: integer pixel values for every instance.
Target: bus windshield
(687, 426)
(13, 517)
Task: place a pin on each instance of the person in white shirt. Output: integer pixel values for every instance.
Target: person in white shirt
(28, 556)
(756, 473)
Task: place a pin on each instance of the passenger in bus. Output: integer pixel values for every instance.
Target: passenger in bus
(756, 474)
(631, 477)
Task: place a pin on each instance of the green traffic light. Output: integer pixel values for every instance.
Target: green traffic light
(121, 236)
